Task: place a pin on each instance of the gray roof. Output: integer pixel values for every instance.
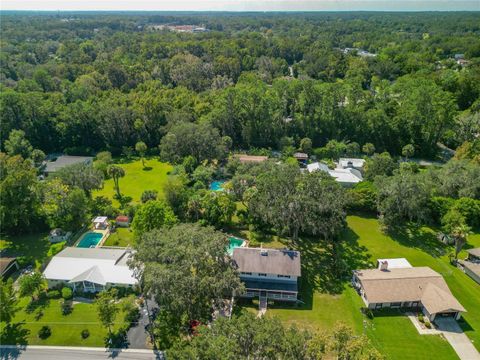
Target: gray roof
(66, 160)
(268, 261)
(474, 252)
(92, 253)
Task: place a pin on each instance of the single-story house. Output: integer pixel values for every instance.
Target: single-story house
(62, 161)
(58, 235)
(100, 223)
(244, 158)
(122, 221)
(8, 265)
(90, 269)
(346, 177)
(471, 265)
(407, 287)
(354, 163)
(268, 273)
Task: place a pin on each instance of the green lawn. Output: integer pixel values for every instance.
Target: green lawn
(328, 298)
(66, 329)
(137, 179)
(121, 237)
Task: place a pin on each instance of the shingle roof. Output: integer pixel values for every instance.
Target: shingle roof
(408, 284)
(473, 267)
(251, 158)
(5, 262)
(474, 252)
(65, 160)
(268, 261)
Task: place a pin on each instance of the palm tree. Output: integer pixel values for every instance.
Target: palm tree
(141, 148)
(116, 172)
(460, 234)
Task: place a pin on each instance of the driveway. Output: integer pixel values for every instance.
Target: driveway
(457, 339)
(137, 335)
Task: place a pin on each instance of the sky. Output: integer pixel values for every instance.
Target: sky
(244, 5)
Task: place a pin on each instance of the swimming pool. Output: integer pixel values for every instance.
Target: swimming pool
(90, 239)
(234, 242)
(217, 185)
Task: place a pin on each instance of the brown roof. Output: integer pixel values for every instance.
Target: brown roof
(5, 263)
(408, 284)
(473, 267)
(268, 261)
(122, 218)
(474, 252)
(301, 156)
(250, 158)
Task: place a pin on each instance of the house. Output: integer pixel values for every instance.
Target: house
(8, 265)
(407, 287)
(459, 56)
(58, 235)
(346, 177)
(90, 269)
(397, 263)
(62, 161)
(100, 223)
(244, 158)
(268, 273)
(346, 163)
(301, 157)
(471, 265)
(122, 221)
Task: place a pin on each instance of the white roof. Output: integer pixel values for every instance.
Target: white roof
(346, 176)
(317, 166)
(358, 163)
(97, 265)
(100, 219)
(397, 263)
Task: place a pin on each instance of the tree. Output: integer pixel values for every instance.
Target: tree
(368, 149)
(306, 145)
(455, 225)
(83, 176)
(19, 195)
(141, 149)
(17, 144)
(31, 284)
(153, 214)
(107, 309)
(8, 301)
(379, 164)
(116, 172)
(186, 269)
(408, 151)
(38, 156)
(217, 208)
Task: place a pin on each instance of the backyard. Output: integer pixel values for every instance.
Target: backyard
(65, 329)
(122, 237)
(329, 299)
(152, 177)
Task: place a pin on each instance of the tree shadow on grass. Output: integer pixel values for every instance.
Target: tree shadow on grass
(147, 168)
(14, 334)
(40, 303)
(117, 340)
(415, 236)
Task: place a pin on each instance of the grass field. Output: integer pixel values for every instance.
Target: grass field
(137, 179)
(329, 298)
(66, 329)
(121, 237)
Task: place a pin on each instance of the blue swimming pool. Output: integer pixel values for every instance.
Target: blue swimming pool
(233, 243)
(90, 239)
(217, 185)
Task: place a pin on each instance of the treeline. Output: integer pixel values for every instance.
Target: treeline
(82, 83)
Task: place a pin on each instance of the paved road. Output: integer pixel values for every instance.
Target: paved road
(61, 353)
(456, 337)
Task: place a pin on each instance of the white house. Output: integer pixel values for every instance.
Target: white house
(407, 287)
(268, 273)
(90, 269)
(355, 163)
(58, 235)
(346, 177)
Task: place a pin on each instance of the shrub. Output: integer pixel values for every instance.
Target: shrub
(66, 306)
(67, 293)
(428, 324)
(44, 332)
(85, 333)
(421, 318)
(54, 249)
(53, 294)
(367, 312)
(363, 197)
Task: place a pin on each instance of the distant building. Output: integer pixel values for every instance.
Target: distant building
(62, 161)
(243, 158)
(407, 287)
(58, 235)
(354, 163)
(268, 273)
(122, 221)
(8, 265)
(471, 265)
(90, 269)
(301, 157)
(346, 177)
(459, 56)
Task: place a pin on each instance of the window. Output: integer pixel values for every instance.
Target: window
(246, 273)
(262, 274)
(284, 276)
(396, 304)
(378, 306)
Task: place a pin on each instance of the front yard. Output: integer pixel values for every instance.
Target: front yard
(329, 299)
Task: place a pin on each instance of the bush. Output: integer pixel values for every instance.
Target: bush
(368, 313)
(67, 293)
(421, 318)
(53, 294)
(85, 333)
(363, 197)
(44, 332)
(66, 306)
(56, 248)
(428, 324)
